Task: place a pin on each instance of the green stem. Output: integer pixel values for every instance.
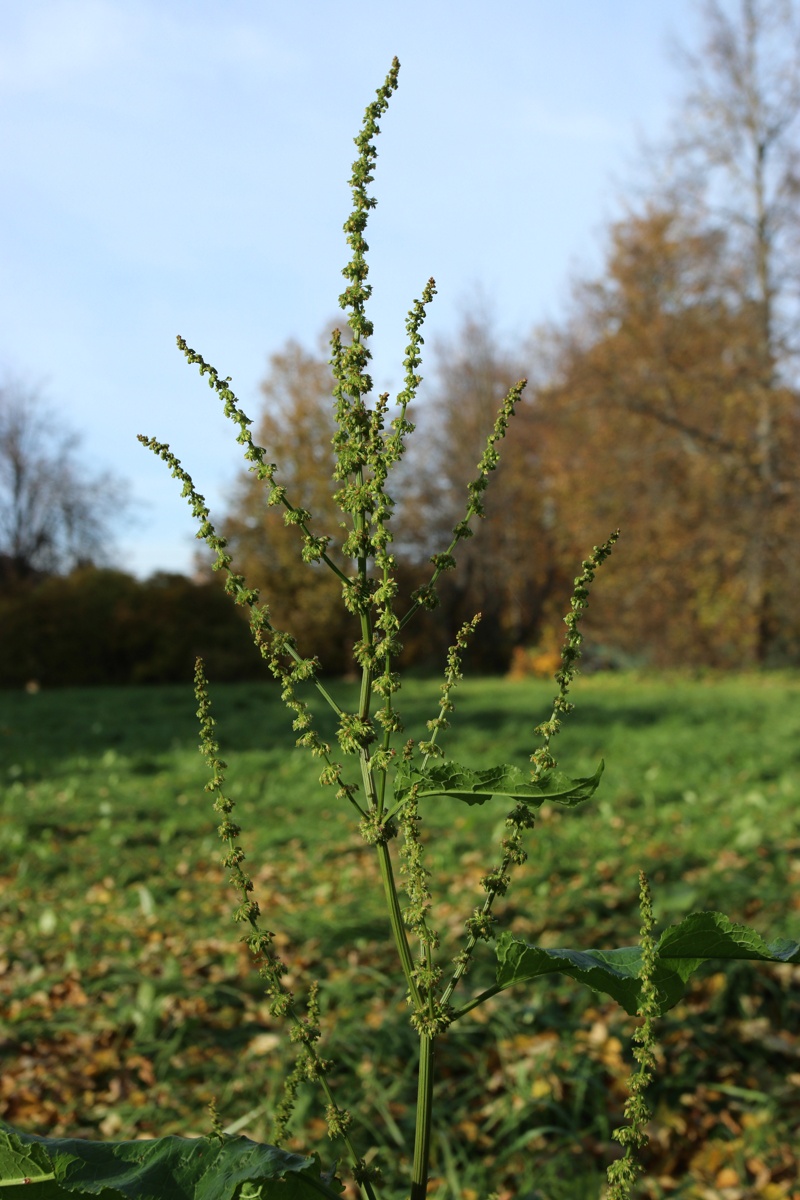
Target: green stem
(393, 812)
(360, 524)
(20, 1180)
(431, 583)
(422, 1136)
(487, 995)
(460, 970)
(325, 695)
(384, 857)
(381, 791)
(338, 572)
(396, 921)
(366, 681)
(472, 942)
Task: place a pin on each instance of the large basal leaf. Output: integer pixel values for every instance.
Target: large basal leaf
(681, 949)
(509, 782)
(168, 1168)
(24, 1164)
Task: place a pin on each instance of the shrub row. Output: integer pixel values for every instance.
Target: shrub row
(98, 626)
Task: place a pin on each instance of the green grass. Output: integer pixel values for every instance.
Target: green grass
(127, 1004)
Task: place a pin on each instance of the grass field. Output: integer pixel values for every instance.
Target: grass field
(127, 1002)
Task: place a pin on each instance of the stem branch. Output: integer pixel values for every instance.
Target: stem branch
(422, 1136)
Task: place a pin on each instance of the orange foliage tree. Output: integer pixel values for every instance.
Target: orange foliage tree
(652, 416)
(295, 428)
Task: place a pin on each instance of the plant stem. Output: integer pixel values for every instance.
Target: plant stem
(472, 942)
(476, 1000)
(422, 1136)
(390, 890)
(396, 920)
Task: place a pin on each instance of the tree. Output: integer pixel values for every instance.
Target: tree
(650, 427)
(54, 514)
(737, 156)
(507, 570)
(737, 163)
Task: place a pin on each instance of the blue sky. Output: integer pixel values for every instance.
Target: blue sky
(180, 167)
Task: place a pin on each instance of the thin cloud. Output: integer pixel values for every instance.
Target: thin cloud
(53, 43)
(580, 126)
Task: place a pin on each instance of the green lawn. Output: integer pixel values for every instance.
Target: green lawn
(127, 1003)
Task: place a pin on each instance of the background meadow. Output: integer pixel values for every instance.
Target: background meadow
(127, 1003)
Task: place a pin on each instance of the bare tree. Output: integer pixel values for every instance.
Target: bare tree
(740, 141)
(54, 513)
(738, 151)
(735, 161)
(507, 572)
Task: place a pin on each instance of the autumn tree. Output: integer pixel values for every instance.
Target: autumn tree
(54, 511)
(650, 427)
(295, 428)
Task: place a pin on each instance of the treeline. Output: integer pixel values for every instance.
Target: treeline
(665, 404)
(648, 411)
(97, 626)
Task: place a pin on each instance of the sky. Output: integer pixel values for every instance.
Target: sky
(180, 167)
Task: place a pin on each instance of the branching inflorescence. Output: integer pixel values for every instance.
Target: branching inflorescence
(369, 442)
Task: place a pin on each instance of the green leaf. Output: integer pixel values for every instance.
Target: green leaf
(712, 935)
(168, 1168)
(681, 949)
(613, 972)
(509, 782)
(25, 1164)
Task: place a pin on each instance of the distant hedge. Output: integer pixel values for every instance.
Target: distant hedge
(98, 626)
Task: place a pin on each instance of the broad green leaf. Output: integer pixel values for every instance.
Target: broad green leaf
(168, 1168)
(25, 1164)
(712, 935)
(613, 972)
(681, 949)
(509, 782)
